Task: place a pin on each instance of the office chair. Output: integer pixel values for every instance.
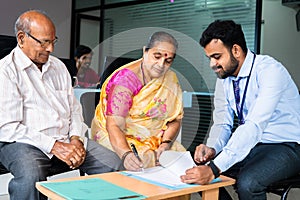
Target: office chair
(283, 187)
(110, 65)
(88, 104)
(3, 170)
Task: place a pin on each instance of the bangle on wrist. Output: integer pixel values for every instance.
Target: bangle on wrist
(214, 169)
(166, 141)
(125, 154)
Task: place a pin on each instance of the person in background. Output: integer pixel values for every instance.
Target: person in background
(258, 89)
(141, 103)
(41, 125)
(86, 76)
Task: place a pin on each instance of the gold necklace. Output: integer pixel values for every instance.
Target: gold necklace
(143, 75)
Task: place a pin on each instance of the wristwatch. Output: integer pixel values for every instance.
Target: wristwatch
(75, 137)
(214, 169)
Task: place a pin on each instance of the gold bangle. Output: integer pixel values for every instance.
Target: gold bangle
(125, 154)
(166, 141)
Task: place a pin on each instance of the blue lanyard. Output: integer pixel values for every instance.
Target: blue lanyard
(240, 111)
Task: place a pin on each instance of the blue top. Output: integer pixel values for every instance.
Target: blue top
(271, 110)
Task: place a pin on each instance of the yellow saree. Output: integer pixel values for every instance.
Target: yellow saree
(156, 104)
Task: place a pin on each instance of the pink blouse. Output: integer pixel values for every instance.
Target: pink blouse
(120, 90)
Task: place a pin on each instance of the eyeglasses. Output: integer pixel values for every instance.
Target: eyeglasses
(44, 43)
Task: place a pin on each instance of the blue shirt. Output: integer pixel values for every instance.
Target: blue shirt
(271, 110)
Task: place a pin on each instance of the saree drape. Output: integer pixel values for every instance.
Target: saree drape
(154, 105)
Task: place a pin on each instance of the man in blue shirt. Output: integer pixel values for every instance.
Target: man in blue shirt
(261, 93)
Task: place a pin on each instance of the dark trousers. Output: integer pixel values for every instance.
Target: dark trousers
(265, 164)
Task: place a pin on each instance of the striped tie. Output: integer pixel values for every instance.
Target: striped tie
(236, 90)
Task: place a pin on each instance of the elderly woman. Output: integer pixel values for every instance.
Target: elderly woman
(141, 103)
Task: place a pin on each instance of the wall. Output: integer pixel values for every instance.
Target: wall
(58, 10)
(280, 38)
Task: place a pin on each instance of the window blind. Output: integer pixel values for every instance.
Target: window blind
(188, 17)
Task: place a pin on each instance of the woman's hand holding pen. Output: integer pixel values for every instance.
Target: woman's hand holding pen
(132, 163)
(204, 154)
(131, 160)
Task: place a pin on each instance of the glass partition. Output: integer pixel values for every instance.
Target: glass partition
(124, 27)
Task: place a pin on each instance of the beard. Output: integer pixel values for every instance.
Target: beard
(232, 67)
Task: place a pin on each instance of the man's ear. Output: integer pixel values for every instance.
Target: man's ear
(20, 37)
(236, 51)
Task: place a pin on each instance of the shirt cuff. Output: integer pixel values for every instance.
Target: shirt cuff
(221, 161)
(48, 144)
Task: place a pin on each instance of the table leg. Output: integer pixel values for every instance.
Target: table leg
(212, 194)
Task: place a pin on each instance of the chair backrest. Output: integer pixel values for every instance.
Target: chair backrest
(7, 43)
(71, 66)
(87, 101)
(110, 65)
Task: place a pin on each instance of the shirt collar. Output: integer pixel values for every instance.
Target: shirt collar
(24, 62)
(246, 67)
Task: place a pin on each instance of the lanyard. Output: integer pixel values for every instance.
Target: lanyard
(240, 111)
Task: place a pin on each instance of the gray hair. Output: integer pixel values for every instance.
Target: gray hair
(24, 23)
(161, 37)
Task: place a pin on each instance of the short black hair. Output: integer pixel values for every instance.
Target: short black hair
(81, 50)
(227, 31)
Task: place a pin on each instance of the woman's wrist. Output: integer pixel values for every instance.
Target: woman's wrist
(165, 145)
(125, 155)
(168, 141)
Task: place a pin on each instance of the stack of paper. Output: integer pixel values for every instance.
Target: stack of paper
(173, 165)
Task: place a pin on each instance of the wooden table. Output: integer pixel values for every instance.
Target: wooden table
(209, 192)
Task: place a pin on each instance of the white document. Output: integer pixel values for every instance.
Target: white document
(173, 165)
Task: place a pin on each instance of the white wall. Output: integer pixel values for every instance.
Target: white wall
(58, 10)
(280, 38)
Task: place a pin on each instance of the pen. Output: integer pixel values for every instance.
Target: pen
(136, 153)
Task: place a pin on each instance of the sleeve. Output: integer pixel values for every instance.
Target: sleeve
(77, 125)
(123, 87)
(223, 115)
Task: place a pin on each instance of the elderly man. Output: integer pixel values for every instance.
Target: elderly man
(41, 124)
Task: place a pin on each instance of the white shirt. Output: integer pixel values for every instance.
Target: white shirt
(271, 111)
(37, 107)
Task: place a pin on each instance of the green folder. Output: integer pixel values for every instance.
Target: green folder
(90, 189)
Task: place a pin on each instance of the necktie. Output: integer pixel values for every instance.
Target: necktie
(236, 90)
